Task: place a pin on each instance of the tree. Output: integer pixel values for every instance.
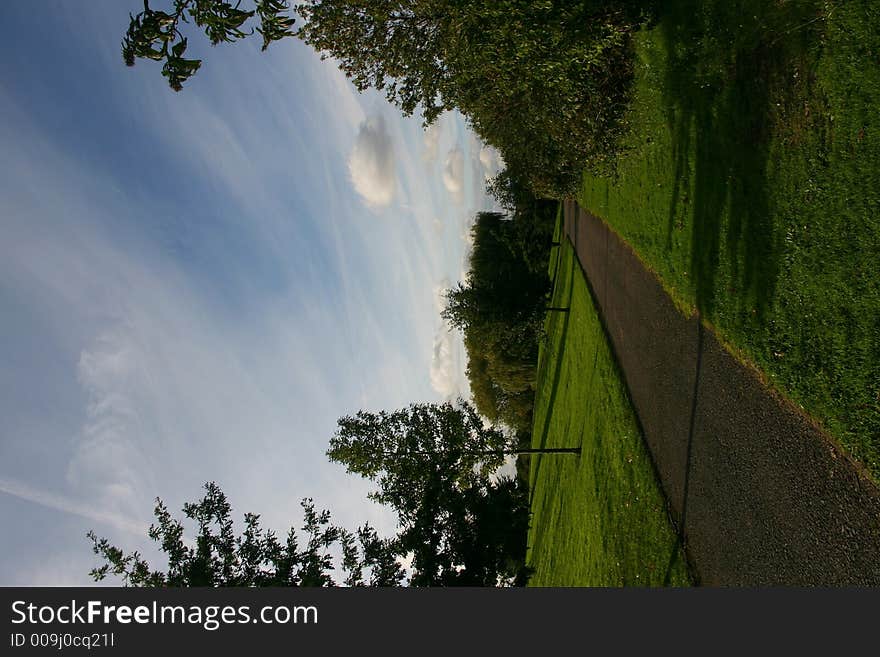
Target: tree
(434, 465)
(533, 219)
(255, 558)
(411, 449)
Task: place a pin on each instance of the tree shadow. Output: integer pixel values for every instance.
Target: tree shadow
(729, 67)
(555, 352)
(680, 547)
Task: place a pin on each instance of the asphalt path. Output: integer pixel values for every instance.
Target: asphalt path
(759, 494)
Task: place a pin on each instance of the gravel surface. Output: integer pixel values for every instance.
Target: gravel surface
(762, 495)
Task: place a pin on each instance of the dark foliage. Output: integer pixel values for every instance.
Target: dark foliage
(255, 558)
(154, 34)
(432, 464)
(500, 310)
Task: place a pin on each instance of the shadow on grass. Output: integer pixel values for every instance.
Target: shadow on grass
(728, 66)
(559, 345)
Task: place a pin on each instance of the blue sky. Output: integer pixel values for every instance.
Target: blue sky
(195, 286)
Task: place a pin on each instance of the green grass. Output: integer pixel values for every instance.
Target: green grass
(599, 519)
(750, 182)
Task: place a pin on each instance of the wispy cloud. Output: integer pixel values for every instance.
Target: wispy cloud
(65, 504)
(110, 447)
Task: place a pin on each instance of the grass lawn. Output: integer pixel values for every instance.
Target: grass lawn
(598, 519)
(751, 184)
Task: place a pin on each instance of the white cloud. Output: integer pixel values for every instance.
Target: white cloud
(431, 141)
(491, 162)
(444, 374)
(440, 290)
(446, 362)
(453, 174)
(371, 163)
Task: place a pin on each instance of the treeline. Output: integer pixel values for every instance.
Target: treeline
(501, 305)
(546, 83)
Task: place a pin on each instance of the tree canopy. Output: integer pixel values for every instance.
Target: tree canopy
(257, 557)
(472, 535)
(411, 450)
(388, 45)
(433, 465)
